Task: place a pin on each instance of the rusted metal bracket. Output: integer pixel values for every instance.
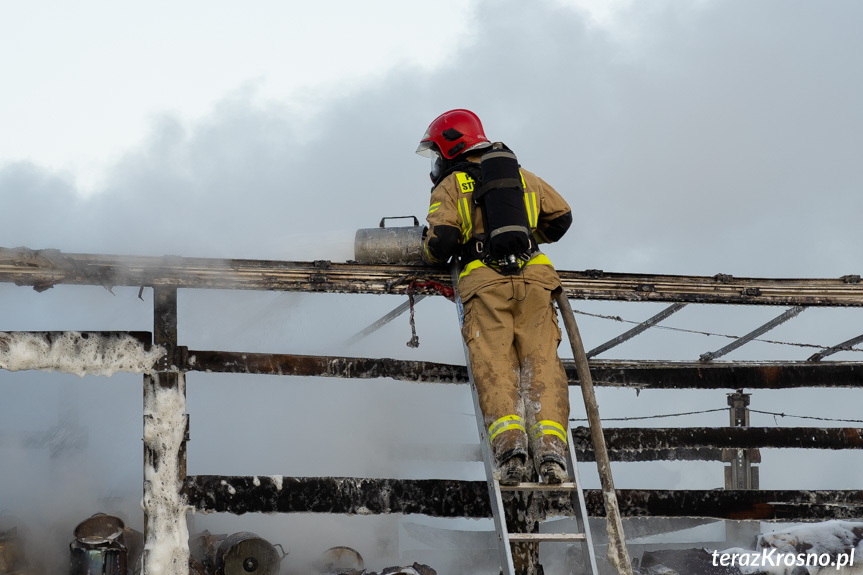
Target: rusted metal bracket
(640, 328)
(790, 313)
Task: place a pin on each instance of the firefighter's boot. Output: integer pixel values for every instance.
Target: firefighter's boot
(553, 472)
(513, 470)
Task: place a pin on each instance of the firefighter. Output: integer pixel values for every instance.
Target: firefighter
(510, 325)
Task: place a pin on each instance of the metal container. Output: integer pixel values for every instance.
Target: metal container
(97, 556)
(383, 245)
(243, 553)
(99, 547)
(340, 560)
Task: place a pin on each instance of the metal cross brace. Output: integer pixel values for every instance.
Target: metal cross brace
(643, 326)
(740, 341)
(844, 346)
(400, 309)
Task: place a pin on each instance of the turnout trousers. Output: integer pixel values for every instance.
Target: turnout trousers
(512, 335)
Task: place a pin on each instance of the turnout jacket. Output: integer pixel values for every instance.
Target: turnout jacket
(455, 220)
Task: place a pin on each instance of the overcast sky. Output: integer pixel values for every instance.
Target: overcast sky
(688, 137)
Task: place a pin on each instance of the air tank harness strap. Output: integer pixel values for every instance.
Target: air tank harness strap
(427, 285)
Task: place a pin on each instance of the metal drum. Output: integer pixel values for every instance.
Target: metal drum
(383, 245)
(243, 553)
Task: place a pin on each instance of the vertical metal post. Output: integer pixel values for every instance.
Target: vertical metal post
(739, 474)
(165, 435)
(618, 556)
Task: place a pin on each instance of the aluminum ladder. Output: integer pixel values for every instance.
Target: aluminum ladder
(495, 489)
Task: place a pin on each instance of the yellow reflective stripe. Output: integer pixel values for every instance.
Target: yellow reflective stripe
(539, 258)
(506, 428)
(505, 423)
(502, 420)
(433, 208)
(466, 223)
(548, 427)
(550, 423)
(535, 220)
(530, 206)
(470, 267)
(551, 432)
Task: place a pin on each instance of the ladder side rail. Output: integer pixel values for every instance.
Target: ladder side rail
(580, 507)
(505, 551)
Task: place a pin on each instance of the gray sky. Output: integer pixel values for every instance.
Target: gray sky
(691, 138)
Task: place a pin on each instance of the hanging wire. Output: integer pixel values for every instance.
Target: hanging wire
(775, 415)
(794, 344)
(655, 416)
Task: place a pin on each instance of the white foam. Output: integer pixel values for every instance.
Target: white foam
(74, 352)
(167, 545)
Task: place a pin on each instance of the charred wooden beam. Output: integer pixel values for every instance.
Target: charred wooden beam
(638, 374)
(451, 498)
(324, 366)
(740, 505)
(696, 443)
(722, 375)
(44, 269)
(78, 352)
(341, 495)
(145, 337)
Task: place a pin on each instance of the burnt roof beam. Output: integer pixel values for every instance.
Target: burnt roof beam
(453, 498)
(43, 269)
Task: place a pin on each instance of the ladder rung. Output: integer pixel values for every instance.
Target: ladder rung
(539, 537)
(539, 487)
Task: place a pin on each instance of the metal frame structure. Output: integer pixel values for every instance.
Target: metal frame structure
(44, 269)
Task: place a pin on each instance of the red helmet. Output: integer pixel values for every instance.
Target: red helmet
(453, 133)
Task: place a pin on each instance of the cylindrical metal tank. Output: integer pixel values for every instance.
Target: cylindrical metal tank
(97, 556)
(243, 553)
(99, 547)
(394, 245)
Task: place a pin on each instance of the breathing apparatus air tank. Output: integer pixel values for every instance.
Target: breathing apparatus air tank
(394, 245)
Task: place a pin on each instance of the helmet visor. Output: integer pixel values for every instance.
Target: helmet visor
(427, 149)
